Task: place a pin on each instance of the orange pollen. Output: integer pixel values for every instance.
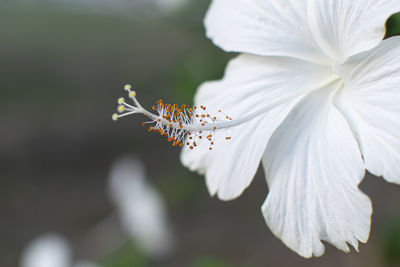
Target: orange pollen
(178, 123)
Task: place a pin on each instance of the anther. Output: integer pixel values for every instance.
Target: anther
(121, 108)
(127, 87)
(132, 94)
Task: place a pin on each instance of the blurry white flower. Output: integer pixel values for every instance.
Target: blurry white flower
(140, 206)
(49, 250)
(315, 97)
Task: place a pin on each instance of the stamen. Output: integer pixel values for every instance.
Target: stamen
(180, 123)
(176, 123)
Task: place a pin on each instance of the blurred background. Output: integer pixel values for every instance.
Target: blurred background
(63, 64)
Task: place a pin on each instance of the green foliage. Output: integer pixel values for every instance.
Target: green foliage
(393, 25)
(194, 70)
(391, 243)
(127, 256)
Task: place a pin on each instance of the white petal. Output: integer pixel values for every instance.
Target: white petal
(313, 167)
(346, 27)
(278, 28)
(370, 102)
(250, 83)
(49, 250)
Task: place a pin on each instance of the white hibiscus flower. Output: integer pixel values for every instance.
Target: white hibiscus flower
(141, 208)
(315, 97)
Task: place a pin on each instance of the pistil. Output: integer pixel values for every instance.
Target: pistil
(180, 124)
